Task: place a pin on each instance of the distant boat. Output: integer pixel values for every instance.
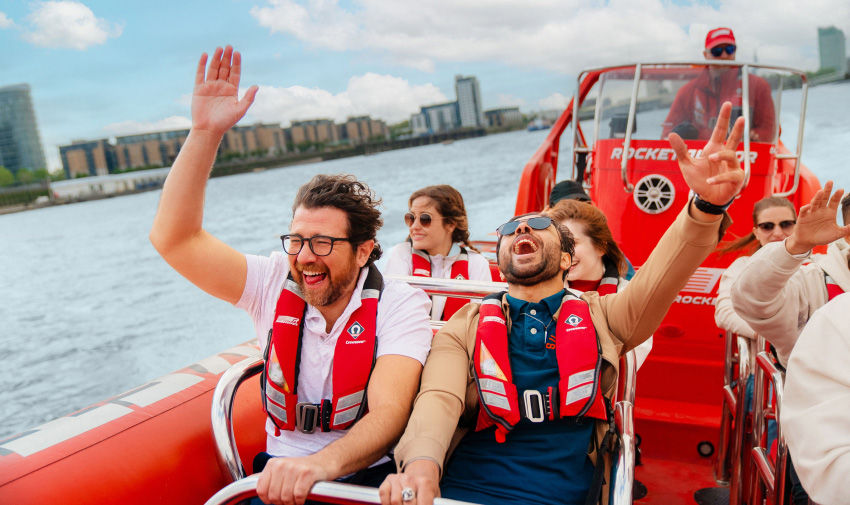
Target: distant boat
(538, 124)
(447, 142)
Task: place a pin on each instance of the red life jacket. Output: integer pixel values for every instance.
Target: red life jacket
(607, 285)
(832, 287)
(579, 355)
(460, 270)
(354, 357)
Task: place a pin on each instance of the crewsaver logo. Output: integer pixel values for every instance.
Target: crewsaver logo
(573, 320)
(422, 271)
(287, 320)
(493, 319)
(355, 330)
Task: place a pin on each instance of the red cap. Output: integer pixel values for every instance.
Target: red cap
(719, 36)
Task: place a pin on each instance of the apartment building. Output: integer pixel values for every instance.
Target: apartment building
(20, 144)
(88, 157)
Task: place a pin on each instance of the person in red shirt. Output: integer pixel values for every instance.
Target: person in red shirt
(699, 101)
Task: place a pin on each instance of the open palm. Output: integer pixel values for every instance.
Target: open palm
(215, 103)
(716, 176)
(816, 224)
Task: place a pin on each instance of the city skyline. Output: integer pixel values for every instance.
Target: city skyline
(102, 69)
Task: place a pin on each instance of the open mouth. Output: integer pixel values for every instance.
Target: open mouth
(524, 245)
(312, 275)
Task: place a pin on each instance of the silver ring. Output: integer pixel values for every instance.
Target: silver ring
(408, 494)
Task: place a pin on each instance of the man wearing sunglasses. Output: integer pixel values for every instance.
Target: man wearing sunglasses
(334, 335)
(697, 103)
(776, 293)
(517, 389)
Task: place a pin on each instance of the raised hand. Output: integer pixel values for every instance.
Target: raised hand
(215, 104)
(716, 176)
(816, 224)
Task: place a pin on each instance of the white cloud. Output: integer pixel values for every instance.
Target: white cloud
(134, 127)
(560, 35)
(5, 21)
(382, 96)
(553, 101)
(68, 24)
(505, 100)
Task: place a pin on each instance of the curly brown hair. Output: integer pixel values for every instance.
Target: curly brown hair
(449, 203)
(346, 193)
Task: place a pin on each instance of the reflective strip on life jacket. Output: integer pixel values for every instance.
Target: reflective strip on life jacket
(579, 356)
(832, 287)
(354, 357)
(421, 267)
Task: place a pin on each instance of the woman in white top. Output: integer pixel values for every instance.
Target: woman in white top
(774, 219)
(438, 245)
(598, 263)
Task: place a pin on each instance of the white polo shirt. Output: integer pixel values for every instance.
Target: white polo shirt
(403, 328)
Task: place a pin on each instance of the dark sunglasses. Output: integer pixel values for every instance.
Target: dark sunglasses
(717, 52)
(425, 219)
(785, 225)
(535, 223)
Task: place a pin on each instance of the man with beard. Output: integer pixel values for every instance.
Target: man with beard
(334, 335)
(517, 389)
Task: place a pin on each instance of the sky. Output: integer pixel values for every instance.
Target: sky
(102, 68)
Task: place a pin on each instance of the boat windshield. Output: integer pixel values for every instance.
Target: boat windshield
(684, 98)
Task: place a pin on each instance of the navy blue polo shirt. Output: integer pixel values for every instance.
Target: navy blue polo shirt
(539, 463)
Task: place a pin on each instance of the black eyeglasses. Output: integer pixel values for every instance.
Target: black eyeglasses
(425, 219)
(717, 52)
(320, 245)
(785, 225)
(535, 223)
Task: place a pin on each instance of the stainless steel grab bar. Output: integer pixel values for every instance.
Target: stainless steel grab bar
(328, 492)
(221, 412)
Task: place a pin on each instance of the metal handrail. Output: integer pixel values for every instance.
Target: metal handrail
(768, 479)
(327, 492)
(628, 187)
(624, 477)
(452, 287)
(224, 437)
(736, 491)
(722, 472)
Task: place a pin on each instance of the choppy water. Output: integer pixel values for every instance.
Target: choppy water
(88, 309)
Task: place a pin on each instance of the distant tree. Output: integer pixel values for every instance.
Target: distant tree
(81, 175)
(24, 176)
(7, 178)
(41, 174)
(58, 175)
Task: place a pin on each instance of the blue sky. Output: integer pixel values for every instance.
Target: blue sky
(102, 68)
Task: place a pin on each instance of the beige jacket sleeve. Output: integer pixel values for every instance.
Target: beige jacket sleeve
(634, 313)
(775, 295)
(442, 394)
(814, 412)
(724, 313)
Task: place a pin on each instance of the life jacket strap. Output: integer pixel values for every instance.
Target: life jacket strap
(538, 406)
(312, 416)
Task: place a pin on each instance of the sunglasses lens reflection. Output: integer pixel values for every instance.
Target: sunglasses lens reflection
(535, 223)
(424, 219)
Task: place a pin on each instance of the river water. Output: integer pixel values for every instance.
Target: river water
(88, 309)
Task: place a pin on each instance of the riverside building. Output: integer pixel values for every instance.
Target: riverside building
(20, 144)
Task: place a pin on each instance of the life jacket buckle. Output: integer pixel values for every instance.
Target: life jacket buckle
(534, 410)
(306, 417)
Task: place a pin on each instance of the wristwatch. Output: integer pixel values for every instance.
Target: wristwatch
(710, 208)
